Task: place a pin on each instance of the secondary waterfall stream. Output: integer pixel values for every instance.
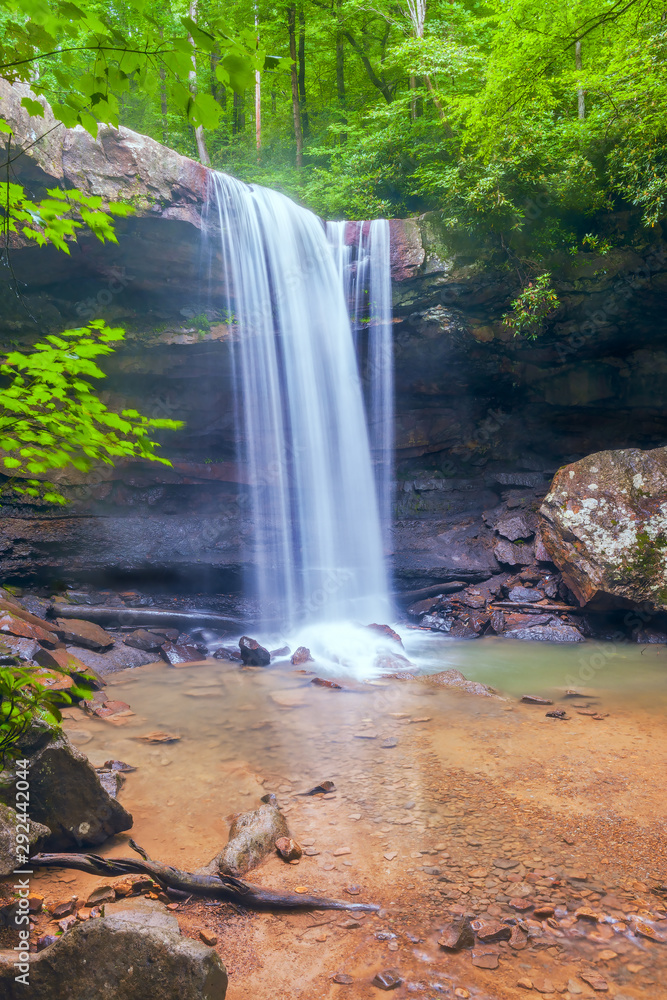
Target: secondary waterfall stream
(317, 548)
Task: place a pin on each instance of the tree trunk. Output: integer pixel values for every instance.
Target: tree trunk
(258, 96)
(219, 93)
(302, 70)
(163, 99)
(296, 111)
(581, 100)
(202, 151)
(238, 120)
(340, 68)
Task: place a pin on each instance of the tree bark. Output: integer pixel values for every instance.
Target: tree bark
(202, 151)
(238, 120)
(581, 99)
(296, 111)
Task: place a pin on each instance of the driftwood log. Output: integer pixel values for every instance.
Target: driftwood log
(224, 887)
(144, 617)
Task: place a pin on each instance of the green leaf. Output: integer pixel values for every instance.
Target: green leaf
(34, 108)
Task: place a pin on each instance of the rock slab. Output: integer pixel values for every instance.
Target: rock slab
(134, 953)
(604, 524)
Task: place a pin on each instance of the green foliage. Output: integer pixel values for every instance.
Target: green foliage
(531, 308)
(51, 418)
(24, 695)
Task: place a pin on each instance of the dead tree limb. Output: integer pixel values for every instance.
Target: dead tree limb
(224, 887)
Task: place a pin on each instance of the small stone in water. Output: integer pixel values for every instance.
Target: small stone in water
(353, 890)
(389, 743)
(343, 979)
(535, 699)
(340, 851)
(485, 959)
(389, 979)
(390, 855)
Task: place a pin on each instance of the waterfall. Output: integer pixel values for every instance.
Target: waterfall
(361, 252)
(317, 549)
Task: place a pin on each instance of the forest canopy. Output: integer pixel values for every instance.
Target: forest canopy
(531, 125)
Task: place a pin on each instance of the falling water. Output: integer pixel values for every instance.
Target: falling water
(317, 542)
(361, 252)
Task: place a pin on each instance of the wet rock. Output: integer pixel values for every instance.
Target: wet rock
(455, 679)
(457, 935)
(491, 930)
(118, 765)
(473, 598)
(141, 638)
(12, 624)
(323, 788)
(513, 555)
(524, 595)
(595, 981)
(299, 656)
(283, 651)
(288, 849)
(603, 523)
(252, 838)
(176, 655)
(321, 682)
(558, 713)
(513, 527)
(233, 655)
(252, 654)
(38, 836)
(64, 909)
(111, 781)
(65, 792)
(483, 959)
(135, 952)
(343, 979)
(386, 631)
(77, 632)
(536, 699)
(388, 979)
(546, 633)
(389, 664)
(518, 939)
(158, 737)
(103, 894)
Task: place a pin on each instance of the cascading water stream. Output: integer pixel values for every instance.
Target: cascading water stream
(317, 550)
(361, 252)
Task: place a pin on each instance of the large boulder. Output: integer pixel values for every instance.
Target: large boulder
(134, 953)
(65, 792)
(604, 524)
(38, 835)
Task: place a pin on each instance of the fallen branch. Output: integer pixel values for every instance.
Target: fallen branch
(226, 887)
(144, 617)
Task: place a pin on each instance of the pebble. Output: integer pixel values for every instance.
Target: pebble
(366, 734)
(340, 851)
(535, 699)
(388, 744)
(208, 937)
(353, 890)
(544, 986)
(594, 980)
(485, 959)
(525, 983)
(390, 855)
(388, 979)
(461, 994)
(311, 852)
(343, 979)
(607, 955)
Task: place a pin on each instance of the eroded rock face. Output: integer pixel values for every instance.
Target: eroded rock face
(65, 792)
(136, 952)
(604, 524)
